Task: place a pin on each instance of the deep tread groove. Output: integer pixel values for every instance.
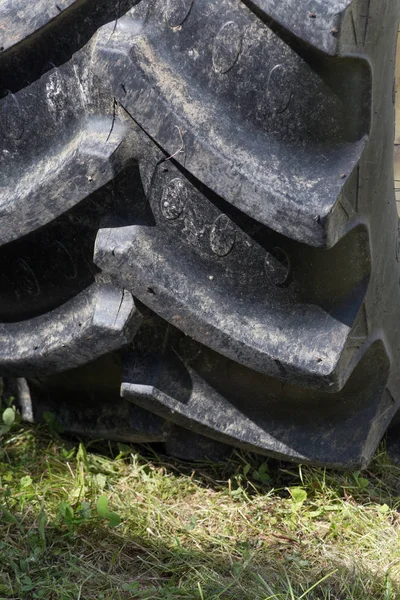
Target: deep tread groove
(55, 42)
(284, 203)
(132, 255)
(220, 408)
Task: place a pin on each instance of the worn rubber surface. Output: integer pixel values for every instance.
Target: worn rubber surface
(201, 193)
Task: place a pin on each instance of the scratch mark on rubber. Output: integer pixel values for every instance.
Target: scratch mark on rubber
(367, 18)
(115, 104)
(353, 23)
(119, 307)
(358, 187)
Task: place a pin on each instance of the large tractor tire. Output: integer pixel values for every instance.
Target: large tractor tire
(199, 236)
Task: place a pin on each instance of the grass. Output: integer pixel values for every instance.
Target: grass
(104, 522)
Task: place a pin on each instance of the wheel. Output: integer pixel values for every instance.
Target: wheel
(198, 204)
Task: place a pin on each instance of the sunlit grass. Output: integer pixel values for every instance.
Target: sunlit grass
(246, 529)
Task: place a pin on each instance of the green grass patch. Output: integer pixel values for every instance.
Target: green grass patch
(110, 522)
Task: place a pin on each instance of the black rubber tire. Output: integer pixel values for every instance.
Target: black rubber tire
(206, 202)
